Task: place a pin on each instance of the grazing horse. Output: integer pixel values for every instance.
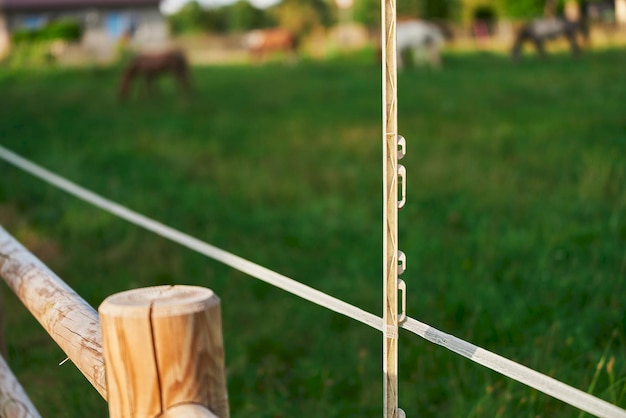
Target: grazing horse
(540, 30)
(423, 39)
(149, 66)
(261, 42)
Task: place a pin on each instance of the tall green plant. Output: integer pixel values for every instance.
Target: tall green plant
(242, 16)
(190, 18)
(66, 30)
(524, 8)
(367, 12)
(302, 16)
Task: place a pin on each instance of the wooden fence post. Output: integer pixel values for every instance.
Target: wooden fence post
(390, 207)
(4, 352)
(163, 348)
(13, 400)
(69, 319)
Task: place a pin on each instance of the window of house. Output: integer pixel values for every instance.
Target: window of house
(33, 22)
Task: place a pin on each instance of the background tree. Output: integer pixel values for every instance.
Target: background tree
(189, 19)
(302, 16)
(243, 16)
(236, 17)
(532, 8)
(428, 9)
(440, 9)
(367, 12)
(550, 7)
(410, 8)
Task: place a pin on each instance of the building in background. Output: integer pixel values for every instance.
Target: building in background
(620, 12)
(104, 23)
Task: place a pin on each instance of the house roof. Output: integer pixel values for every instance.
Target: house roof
(16, 5)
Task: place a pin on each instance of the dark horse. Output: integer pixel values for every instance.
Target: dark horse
(149, 66)
(540, 30)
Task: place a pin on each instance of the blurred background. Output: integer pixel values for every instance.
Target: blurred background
(76, 32)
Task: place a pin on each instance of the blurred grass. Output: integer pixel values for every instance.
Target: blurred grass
(514, 230)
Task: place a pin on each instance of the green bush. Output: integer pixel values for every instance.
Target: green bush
(67, 30)
(24, 35)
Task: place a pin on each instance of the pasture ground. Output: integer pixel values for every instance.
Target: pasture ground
(514, 229)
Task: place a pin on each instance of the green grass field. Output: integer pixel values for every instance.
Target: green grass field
(514, 229)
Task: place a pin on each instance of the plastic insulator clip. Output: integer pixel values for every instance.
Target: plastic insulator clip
(402, 182)
(402, 289)
(401, 262)
(401, 147)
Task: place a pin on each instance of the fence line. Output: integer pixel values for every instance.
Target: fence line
(149, 372)
(3, 343)
(516, 371)
(163, 348)
(71, 322)
(499, 364)
(13, 400)
(238, 263)
(391, 204)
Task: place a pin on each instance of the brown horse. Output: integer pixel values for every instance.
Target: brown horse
(150, 66)
(266, 41)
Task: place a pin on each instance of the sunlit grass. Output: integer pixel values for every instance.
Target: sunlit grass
(514, 229)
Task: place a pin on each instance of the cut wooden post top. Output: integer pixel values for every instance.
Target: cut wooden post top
(162, 300)
(163, 347)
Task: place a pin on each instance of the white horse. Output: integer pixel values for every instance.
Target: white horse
(423, 39)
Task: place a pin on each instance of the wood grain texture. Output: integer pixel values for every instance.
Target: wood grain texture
(3, 342)
(71, 322)
(14, 402)
(163, 347)
(390, 211)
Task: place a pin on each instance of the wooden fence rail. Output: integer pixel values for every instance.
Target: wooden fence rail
(71, 322)
(13, 400)
(163, 346)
